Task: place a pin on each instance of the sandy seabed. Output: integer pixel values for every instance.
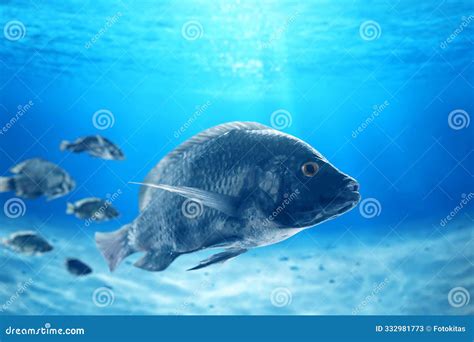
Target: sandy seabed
(430, 272)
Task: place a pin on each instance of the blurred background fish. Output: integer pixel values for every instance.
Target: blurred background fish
(382, 89)
(96, 146)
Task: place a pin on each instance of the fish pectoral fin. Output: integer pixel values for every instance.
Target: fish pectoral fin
(226, 204)
(156, 261)
(219, 257)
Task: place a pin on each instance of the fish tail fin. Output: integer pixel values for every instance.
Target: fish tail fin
(155, 261)
(64, 145)
(7, 184)
(114, 246)
(70, 208)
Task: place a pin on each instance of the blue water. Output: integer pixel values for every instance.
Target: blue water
(163, 84)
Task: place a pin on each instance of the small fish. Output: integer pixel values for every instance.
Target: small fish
(238, 186)
(27, 242)
(77, 267)
(94, 145)
(37, 177)
(92, 208)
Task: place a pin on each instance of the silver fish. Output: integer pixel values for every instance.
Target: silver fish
(94, 145)
(92, 208)
(27, 242)
(237, 186)
(37, 177)
(77, 267)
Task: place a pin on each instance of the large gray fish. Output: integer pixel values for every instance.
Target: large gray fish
(92, 208)
(36, 177)
(94, 145)
(237, 186)
(27, 242)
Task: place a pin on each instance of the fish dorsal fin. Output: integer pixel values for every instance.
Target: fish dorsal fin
(24, 164)
(200, 138)
(216, 132)
(88, 199)
(226, 204)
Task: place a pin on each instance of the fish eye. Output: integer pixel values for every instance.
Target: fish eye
(310, 169)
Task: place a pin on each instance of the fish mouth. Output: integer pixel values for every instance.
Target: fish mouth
(349, 200)
(336, 207)
(347, 206)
